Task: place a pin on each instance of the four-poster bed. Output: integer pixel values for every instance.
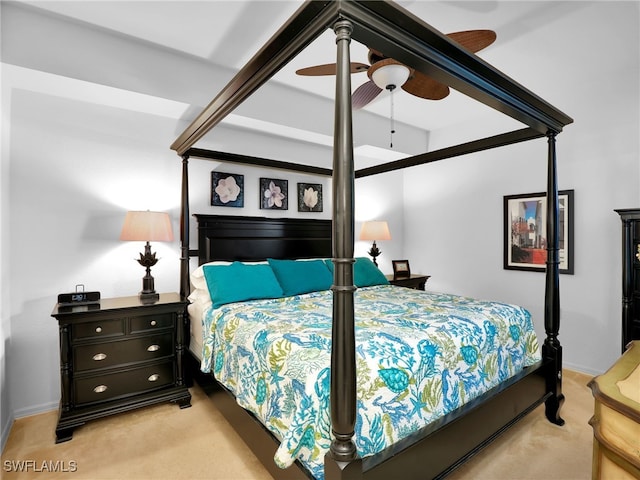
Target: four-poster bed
(439, 447)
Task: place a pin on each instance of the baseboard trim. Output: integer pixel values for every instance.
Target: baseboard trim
(35, 410)
(21, 413)
(6, 430)
(579, 369)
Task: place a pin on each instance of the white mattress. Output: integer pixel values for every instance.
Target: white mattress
(196, 310)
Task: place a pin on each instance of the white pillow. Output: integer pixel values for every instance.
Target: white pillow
(200, 296)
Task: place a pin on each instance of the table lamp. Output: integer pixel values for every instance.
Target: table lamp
(147, 227)
(375, 231)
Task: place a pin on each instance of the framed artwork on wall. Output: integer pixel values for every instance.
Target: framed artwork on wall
(525, 231)
(227, 189)
(274, 194)
(309, 197)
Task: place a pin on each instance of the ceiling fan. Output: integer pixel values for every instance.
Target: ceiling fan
(387, 73)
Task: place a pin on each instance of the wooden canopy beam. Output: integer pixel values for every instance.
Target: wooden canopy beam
(449, 152)
(399, 34)
(256, 161)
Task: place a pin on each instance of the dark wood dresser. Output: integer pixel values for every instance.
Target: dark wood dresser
(119, 355)
(630, 274)
(416, 282)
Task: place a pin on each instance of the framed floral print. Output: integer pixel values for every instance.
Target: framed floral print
(309, 197)
(227, 189)
(525, 231)
(274, 194)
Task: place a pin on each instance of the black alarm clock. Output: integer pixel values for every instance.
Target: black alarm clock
(79, 297)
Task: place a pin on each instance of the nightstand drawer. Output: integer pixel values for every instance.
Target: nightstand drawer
(120, 384)
(151, 322)
(109, 354)
(104, 328)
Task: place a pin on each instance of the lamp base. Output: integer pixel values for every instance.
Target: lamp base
(148, 294)
(374, 252)
(148, 298)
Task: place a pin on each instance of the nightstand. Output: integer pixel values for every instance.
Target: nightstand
(119, 355)
(416, 282)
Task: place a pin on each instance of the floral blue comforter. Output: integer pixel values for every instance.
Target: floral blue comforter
(419, 355)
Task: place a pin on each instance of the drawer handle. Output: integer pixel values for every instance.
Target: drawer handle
(99, 356)
(153, 323)
(100, 389)
(98, 329)
(153, 348)
(154, 377)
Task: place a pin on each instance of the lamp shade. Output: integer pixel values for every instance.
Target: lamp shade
(147, 226)
(375, 231)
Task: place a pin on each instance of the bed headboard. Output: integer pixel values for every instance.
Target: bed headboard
(227, 237)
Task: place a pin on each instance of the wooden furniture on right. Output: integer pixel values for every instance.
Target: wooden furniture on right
(616, 418)
(414, 281)
(630, 274)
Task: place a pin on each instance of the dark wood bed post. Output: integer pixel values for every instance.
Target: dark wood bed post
(551, 349)
(184, 231)
(341, 461)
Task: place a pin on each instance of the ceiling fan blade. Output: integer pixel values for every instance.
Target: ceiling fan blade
(423, 86)
(474, 40)
(364, 94)
(330, 69)
(417, 84)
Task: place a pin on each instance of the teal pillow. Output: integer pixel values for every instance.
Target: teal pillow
(301, 276)
(365, 273)
(238, 282)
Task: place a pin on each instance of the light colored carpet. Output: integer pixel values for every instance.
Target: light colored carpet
(164, 442)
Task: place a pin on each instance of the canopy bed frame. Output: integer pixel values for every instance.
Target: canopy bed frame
(386, 27)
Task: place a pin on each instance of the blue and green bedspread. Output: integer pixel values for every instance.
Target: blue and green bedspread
(419, 355)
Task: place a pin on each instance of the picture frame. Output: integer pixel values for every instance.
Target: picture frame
(401, 269)
(274, 194)
(525, 224)
(309, 197)
(227, 189)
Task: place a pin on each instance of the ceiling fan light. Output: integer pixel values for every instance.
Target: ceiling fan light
(393, 75)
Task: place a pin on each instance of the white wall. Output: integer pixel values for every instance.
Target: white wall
(380, 198)
(454, 210)
(5, 318)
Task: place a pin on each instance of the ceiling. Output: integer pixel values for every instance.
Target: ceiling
(534, 41)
